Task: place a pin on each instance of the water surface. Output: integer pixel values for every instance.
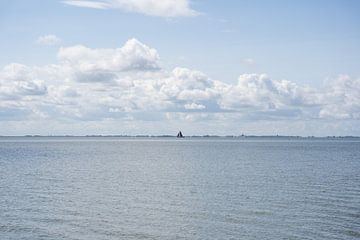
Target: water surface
(164, 188)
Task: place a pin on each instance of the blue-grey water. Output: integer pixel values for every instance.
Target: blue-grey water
(123, 188)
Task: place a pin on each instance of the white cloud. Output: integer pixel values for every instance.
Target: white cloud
(87, 4)
(163, 8)
(342, 99)
(186, 84)
(249, 61)
(257, 92)
(19, 81)
(133, 56)
(127, 83)
(49, 40)
(194, 106)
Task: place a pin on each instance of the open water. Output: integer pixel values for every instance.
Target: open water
(165, 188)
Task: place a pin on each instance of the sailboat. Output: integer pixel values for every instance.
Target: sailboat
(179, 135)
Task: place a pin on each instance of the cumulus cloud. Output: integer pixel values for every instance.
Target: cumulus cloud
(163, 8)
(128, 83)
(261, 93)
(194, 106)
(133, 56)
(19, 81)
(187, 85)
(49, 40)
(341, 99)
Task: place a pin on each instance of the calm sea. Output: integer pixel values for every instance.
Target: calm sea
(164, 188)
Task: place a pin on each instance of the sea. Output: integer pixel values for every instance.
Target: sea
(98, 188)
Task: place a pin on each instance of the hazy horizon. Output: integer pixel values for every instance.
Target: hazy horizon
(239, 136)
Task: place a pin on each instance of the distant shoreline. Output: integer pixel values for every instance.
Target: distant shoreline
(192, 136)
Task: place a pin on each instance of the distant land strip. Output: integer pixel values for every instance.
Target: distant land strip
(194, 136)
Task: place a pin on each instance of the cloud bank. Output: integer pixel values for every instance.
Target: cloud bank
(128, 85)
(163, 8)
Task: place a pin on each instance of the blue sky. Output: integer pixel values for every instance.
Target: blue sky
(311, 44)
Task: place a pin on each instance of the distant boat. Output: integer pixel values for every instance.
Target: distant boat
(180, 135)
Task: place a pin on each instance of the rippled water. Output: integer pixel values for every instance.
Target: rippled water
(115, 188)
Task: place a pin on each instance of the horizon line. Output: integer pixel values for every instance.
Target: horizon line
(186, 136)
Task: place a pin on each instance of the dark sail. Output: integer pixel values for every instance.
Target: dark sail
(180, 135)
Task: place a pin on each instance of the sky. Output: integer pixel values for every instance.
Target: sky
(204, 67)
